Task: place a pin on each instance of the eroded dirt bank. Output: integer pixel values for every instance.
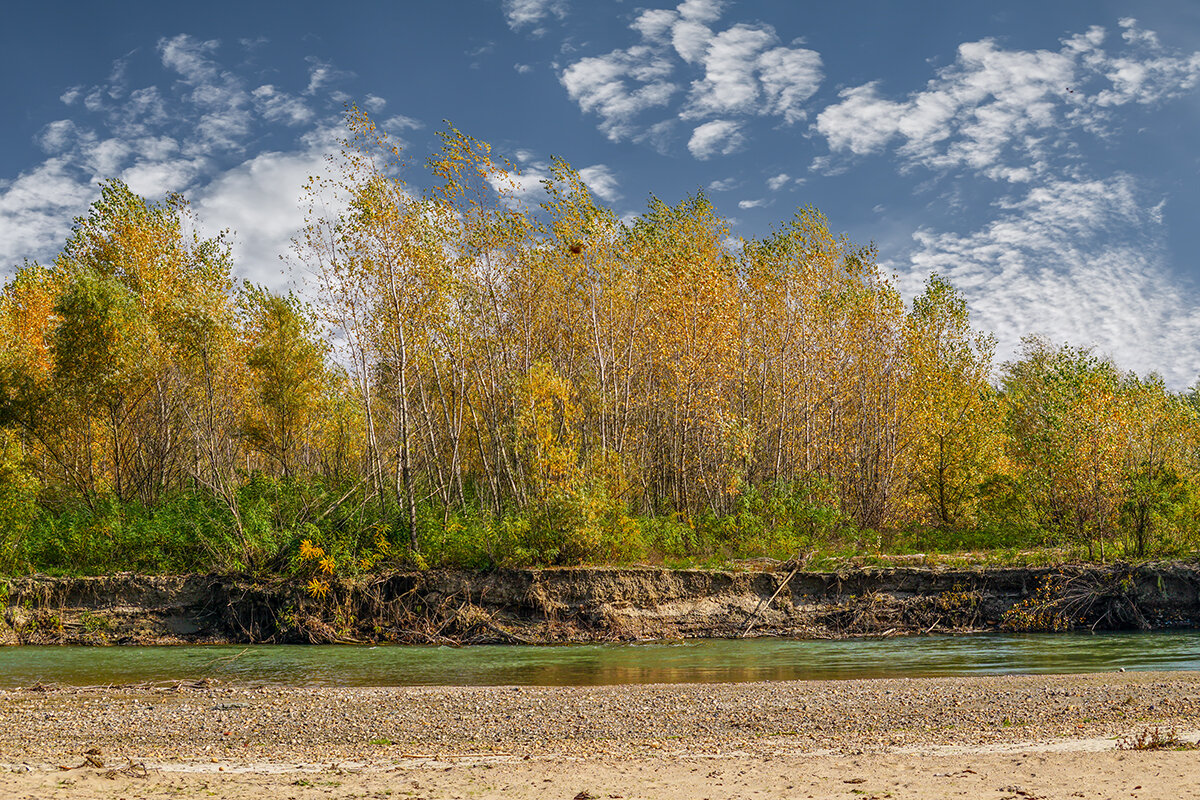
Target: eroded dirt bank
(596, 604)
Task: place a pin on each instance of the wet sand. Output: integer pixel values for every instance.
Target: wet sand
(997, 737)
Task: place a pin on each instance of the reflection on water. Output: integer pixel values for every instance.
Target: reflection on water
(709, 661)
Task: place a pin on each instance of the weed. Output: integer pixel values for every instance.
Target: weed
(1156, 739)
(95, 623)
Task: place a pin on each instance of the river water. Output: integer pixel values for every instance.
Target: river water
(707, 661)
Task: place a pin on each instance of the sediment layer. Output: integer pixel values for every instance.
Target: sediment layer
(597, 604)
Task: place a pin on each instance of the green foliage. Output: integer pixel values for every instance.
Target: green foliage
(101, 343)
(287, 358)
(18, 502)
(180, 534)
(544, 387)
(780, 522)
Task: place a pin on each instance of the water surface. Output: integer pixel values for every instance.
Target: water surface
(705, 661)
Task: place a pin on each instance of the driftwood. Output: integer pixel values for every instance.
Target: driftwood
(767, 603)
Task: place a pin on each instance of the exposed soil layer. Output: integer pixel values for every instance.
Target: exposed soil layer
(597, 604)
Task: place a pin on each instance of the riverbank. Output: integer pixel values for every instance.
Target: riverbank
(597, 604)
(1017, 736)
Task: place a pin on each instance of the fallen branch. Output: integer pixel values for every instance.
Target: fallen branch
(786, 581)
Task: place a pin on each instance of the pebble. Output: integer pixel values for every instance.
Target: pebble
(318, 724)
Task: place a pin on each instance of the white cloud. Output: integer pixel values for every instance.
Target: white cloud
(789, 76)
(720, 136)
(1006, 113)
(158, 178)
(322, 74)
(188, 132)
(277, 106)
(619, 86)
(524, 13)
(862, 122)
(701, 10)
(655, 24)
(189, 58)
(36, 210)
(730, 84)
(1077, 261)
(740, 71)
(777, 182)
(757, 203)
(260, 202)
(58, 136)
(601, 181)
(104, 158)
(744, 74)
(690, 39)
(523, 186)
(403, 122)
(723, 185)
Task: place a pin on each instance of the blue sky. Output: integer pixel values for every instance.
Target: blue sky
(1041, 155)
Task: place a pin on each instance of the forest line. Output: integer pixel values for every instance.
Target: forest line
(479, 383)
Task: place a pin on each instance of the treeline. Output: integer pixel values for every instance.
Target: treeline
(481, 383)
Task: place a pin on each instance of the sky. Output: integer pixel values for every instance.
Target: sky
(1042, 156)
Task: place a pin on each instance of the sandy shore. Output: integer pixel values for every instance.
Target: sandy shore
(1003, 737)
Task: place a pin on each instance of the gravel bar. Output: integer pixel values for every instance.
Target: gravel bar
(248, 724)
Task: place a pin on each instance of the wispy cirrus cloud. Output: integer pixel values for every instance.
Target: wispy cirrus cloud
(1009, 114)
(685, 70)
(196, 129)
(526, 184)
(532, 13)
(1069, 249)
(1079, 261)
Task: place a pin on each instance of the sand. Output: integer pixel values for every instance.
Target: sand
(993, 737)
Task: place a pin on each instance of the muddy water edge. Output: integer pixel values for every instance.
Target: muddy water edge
(596, 605)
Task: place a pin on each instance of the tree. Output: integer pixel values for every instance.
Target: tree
(99, 351)
(1161, 430)
(287, 359)
(955, 413)
(1067, 428)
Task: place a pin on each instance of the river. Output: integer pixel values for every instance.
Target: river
(705, 661)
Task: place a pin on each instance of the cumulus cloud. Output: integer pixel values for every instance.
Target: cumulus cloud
(520, 187)
(745, 74)
(277, 106)
(687, 67)
(721, 136)
(619, 86)
(527, 186)
(58, 135)
(190, 58)
(260, 202)
(36, 210)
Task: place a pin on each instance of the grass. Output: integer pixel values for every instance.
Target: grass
(191, 532)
